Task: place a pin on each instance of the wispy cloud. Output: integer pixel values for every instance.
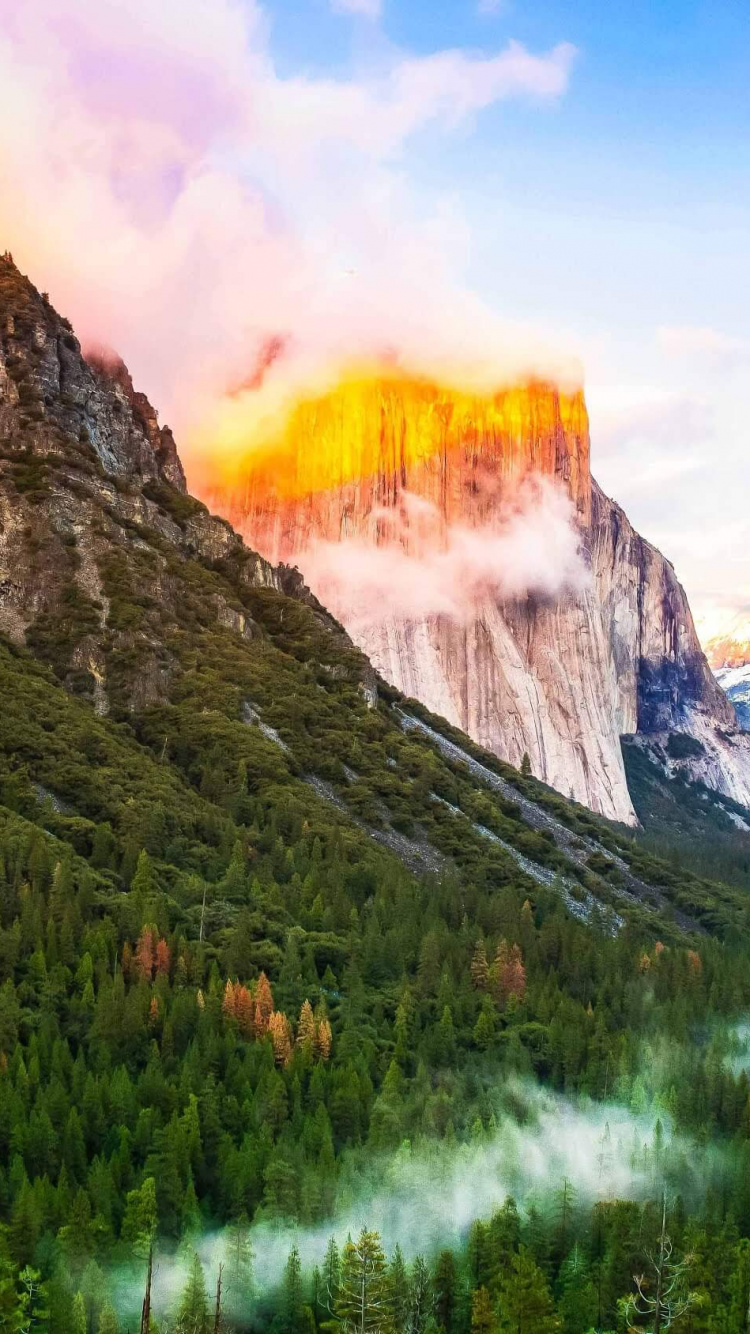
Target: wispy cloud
(369, 9)
(704, 344)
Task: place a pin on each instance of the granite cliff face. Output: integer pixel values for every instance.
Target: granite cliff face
(87, 473)
(664, 683)
(559, 678)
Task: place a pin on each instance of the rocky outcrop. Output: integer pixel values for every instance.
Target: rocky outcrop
(663, 678)
(86, 473)
(665, 687)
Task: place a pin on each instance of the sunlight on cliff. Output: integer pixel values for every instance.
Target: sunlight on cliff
(387, 427)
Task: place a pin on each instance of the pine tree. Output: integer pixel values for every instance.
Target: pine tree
(163, 961)
(485, 1029)
(323, 1040)
(512, 976)
(482, 1315)
(330, 1278)
(739, 1287)
(244, 1011)
(445, 1289)
(292, 1297)
(577, 1303)
(480, 969)
(144, 887)
(79, 1321)
(398, 1290)
(263, 1004)
(281, 1037)
(139, 1223)
(192, 1315)
(107, 1320)
(525, 1303)
(525, 765)
(306, 1027)
(363, 1305)
(227, 1003)
(238, 1257)
(32, 1311)
(420, 1300)
(145, 954)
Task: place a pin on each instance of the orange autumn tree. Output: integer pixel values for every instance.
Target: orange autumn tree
(145, 954)
(163, 961)
(263, 1004)
(244, 1011)
(508, 973)
(323, 1039)
(280, 1032)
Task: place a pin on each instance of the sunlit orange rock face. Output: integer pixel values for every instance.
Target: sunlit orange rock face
(400, 475)
(337, 461)
(527, 675)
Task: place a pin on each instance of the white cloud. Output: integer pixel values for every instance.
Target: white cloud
(425, 569)
(369, 9)
(703, 344)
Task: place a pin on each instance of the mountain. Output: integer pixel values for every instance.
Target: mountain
(553, 671)
(273, 937)
(729, 656)
(151, 612)
(735, 682)
(732, 648)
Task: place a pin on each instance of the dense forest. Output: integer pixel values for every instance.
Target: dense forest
(224, 1007)
(313, 1015)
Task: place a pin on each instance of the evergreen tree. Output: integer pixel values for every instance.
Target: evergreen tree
(445, 1288)
(330, 1279)
(399, 1290)
(32, 1311)
(482, 1315)
(525, 1303)
(239, 1284)
(420, 1297)
(292, 1297)
(363, 1302)
(192, 1315)
(107, 1320)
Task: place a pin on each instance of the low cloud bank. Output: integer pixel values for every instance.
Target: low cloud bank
(426, 1197)
(415, 565)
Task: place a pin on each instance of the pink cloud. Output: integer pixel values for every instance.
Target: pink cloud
(184, 203)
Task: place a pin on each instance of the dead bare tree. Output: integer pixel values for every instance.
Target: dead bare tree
(662, 1297)
(146, 1308)
(217, 1309)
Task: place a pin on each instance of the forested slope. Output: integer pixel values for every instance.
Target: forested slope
(262, 920)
